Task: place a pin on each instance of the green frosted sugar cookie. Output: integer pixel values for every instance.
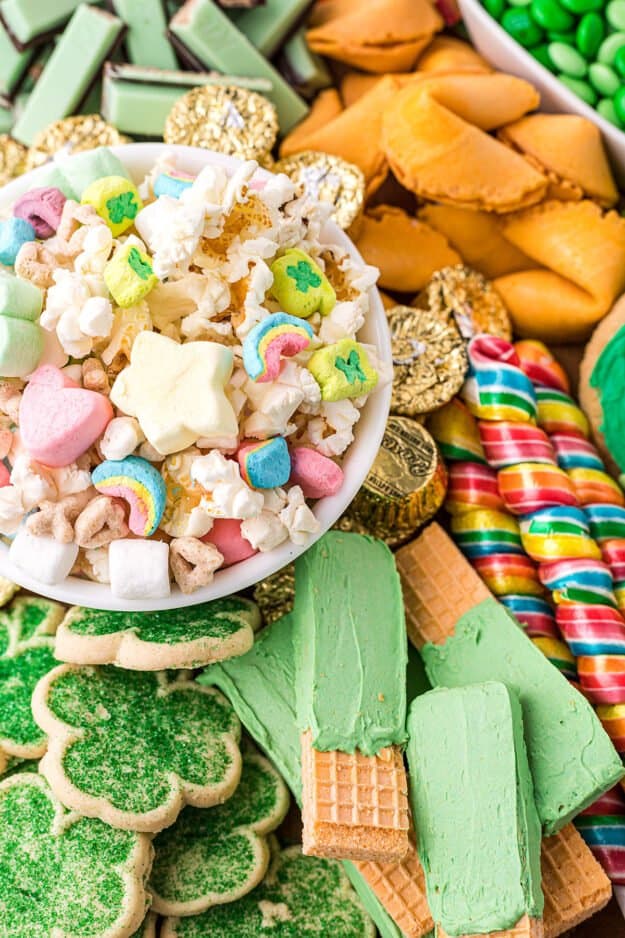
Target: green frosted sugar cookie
(300, 896)
(153, 641)
(133, 748)
(66, 875)
(27, 630)
(209, 857)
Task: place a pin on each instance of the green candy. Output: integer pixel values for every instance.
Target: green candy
(62, 874)
(581, 88)
(567, 60)
(567, 39)
(191, 637)
(301, 896)
(603, 79)
(589, 35)
(519, 24)
(210, 857)
(609, 48)
(615, 14)
(550, 15)
(519, 3)
(579, 7)
(619, 61)
(27, 630)
(606, 108)
(132, 748)
(619, 104)
(495, 8)
(541, 54)
(342, 370)
(300, 286)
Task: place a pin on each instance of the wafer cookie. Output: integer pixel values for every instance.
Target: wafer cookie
(355, 806)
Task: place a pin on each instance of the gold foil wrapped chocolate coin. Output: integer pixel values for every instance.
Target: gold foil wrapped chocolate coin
(465, 298)
(12, 158)
(328, 178)
(429, 361)
(275, 594)
(406, 485)
(224, 118)
(83, 132)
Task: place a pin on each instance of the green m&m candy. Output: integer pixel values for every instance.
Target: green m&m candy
(608, 111)
(589, 35)
(603, 79)
(579, 7)
(568, 60)
(541, 54)
(619, 104)
(615, 14)
(581, 88)
(609, 47)
(519, 24)
(550, 15)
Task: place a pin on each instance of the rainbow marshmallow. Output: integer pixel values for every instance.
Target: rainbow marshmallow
(265, 464)
(173, 184)
(275, 336)
(141, 485)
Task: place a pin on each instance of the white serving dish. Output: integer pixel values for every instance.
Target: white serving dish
(505, 53)
(139, 159)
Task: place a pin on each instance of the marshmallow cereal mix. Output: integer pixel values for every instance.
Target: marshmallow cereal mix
(168, 351)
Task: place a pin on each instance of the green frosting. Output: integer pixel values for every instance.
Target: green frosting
(350, 645)
(608, 379)
(65, 874)
(196, 635)
(130, 742)
(261, 688)
(572, 759)
(473, 806)
(300, 896)
(27, 630)
(210, 857)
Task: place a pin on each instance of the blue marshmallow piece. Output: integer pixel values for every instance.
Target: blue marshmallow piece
(266, 464)
(168, 184)
(14, 232)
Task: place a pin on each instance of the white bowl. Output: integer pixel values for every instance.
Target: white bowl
(139, 158)
(505, 53)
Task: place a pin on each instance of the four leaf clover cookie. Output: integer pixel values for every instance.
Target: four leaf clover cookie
(133, 748)
(66, 875)
(152, 641)
(27, 630)
(213, 856)
(300, 896)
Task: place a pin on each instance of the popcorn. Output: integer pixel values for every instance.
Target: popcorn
(265, 532)
(274, 404)
(230, 496)
(76, 315)
(34, 483)
(297, 517)
(12, 510)
(339, 416)
(97, 561)
(121, 438)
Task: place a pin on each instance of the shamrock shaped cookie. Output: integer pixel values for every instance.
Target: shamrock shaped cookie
(152, 641)
(300, 896)
(213, 856)
(27, 630)
(133, 748)
(66, 875)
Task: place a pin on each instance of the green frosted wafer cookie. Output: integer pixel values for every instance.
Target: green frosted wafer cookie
(66, 875)
(133, 748)
(153, 641)
(300, 896)
(27, 630)
(213, 856)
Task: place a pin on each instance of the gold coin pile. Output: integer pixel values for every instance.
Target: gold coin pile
(327, 178)
(83, 132)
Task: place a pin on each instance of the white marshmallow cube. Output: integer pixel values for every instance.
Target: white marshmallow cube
(43, 558)
(139, 569)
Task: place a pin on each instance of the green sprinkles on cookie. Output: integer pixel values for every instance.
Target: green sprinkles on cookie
(216, 855)
(133, 748)
(65, 875)
(27, 630)
(300, 896)
(154, 641)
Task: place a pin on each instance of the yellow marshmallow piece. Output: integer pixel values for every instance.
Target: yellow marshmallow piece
(342, 370)
(116, 200)
(177, 393)
(129, 275)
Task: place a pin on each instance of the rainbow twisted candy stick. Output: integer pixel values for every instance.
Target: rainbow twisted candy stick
(487, 533)
(555, 518)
